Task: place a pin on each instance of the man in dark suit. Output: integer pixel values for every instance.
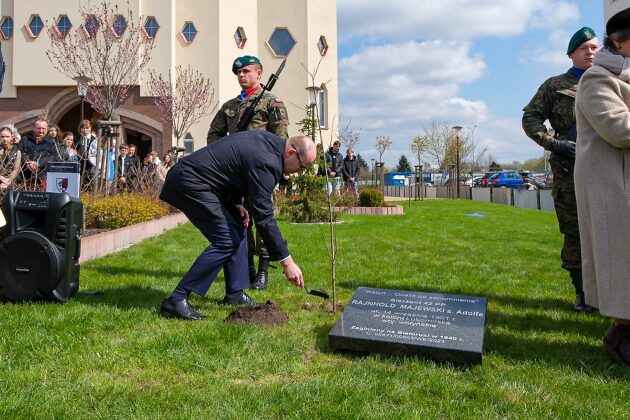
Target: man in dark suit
(209, 186)
(125, 170)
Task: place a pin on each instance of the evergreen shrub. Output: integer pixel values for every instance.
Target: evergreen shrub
(308, 203)
(371, 197)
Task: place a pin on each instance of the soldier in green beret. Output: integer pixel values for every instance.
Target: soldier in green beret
(271, 115)
(555, 102)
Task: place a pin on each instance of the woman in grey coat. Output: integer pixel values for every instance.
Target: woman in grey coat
(602, 183)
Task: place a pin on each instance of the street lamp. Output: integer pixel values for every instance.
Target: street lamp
(457, 129)
(473, 162)
(373, 172)
(82, 85)
(419, 182)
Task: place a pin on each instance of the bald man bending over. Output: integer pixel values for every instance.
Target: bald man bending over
(208, 186)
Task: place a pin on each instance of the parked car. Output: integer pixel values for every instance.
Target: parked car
(510, 179)
(451, 181)
(483, 180)
(535, 180)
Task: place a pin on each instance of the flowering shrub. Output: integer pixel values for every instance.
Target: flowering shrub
(113, 212)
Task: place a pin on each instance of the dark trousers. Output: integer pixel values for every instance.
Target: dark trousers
(563, 193)
(227, 250)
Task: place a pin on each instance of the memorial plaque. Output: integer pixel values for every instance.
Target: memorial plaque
(439, 326)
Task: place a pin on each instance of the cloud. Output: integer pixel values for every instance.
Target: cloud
(448, 19)
(506, 141)
(409, 62)
(395, 90)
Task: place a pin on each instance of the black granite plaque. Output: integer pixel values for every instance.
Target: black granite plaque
(439, 326)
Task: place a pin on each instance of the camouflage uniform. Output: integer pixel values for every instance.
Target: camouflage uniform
(270, 115)
(555, 101)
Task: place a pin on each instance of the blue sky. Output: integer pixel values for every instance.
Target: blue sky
(404, 63)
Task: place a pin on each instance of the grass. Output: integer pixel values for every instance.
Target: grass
(111, 356)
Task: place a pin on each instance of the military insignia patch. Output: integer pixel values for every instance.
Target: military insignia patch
(238, 63)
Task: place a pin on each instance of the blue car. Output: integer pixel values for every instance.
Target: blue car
(510, 179)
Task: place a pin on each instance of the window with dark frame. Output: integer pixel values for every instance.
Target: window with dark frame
(91, 26)
(119, 26)
(239, 37)
(63, 26)
(322, 45)
(189, 32)
(151, 27)
(6, 27)
(281, 42)
(322, 107)
(35, 26)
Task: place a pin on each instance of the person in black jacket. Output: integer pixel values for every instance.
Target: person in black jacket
(334, 166)
(350, 172)
(209, 187)
(126, 169)
(38, 151)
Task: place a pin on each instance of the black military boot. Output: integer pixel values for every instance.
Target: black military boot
(580, 302)
(263, 274)
(252, 269)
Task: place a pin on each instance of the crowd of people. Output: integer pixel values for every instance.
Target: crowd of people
(24, 159)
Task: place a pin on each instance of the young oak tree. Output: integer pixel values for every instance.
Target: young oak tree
(418, 146)
(382, 144)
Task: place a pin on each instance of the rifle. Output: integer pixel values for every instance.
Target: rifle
(248, 115)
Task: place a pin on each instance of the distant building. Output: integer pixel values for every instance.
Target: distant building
(207, 34)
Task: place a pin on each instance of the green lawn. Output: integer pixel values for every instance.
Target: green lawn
(111, 356)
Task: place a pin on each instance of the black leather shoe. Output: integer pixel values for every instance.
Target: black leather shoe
(179, 309)
(617, 343)
(580, 304)
(243, 300)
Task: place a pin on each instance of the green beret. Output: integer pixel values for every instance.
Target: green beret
(580, 37)
(246, 60)
(619, 21)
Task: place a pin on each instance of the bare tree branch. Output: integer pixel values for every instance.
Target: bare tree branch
(95, 50)
(182, 105)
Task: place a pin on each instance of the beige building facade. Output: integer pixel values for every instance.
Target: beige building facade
(206, 34)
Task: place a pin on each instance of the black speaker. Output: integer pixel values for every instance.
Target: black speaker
(40, 247)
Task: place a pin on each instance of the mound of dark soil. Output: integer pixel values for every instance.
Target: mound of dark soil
(268, 314)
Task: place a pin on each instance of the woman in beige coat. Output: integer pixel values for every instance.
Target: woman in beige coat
(602, 183)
